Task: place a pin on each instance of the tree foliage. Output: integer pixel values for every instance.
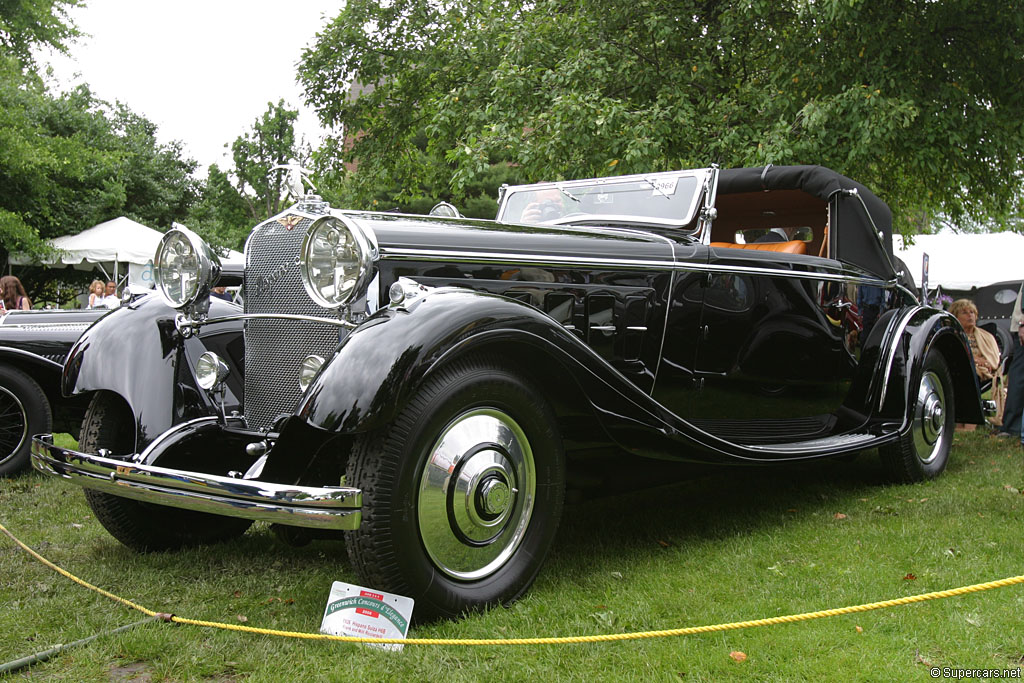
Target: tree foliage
(221, 215)
(71, 160)
(27, 25)
(920, 100)
(231, 202)
(270, 142)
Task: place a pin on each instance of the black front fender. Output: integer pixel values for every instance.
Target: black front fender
(136, 352)
(382, 363)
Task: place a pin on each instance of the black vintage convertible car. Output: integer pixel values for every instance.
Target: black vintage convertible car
(33, 345)
(427, 386)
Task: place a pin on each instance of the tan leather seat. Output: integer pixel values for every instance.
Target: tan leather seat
(791, 247)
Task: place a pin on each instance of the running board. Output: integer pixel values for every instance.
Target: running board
(844, 441)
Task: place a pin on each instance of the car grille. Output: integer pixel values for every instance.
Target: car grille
(274, 348)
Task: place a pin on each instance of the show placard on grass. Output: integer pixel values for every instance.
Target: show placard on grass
(366, 613)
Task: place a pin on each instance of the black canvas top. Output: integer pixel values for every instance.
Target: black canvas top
(857, 237)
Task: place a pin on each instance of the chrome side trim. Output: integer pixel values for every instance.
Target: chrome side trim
(34, 356)
(328, 507)
(412, 254)
(440, 256)
(890, 354)
(70, 327)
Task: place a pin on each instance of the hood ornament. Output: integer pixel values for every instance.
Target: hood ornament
(296, 179)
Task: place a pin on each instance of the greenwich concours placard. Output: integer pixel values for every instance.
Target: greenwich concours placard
(366, 613)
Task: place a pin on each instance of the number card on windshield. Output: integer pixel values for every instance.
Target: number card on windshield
(357, 611)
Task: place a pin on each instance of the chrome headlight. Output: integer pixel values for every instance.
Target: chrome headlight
(337, 262)
(184, 267)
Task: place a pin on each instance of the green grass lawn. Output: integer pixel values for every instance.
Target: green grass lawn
(738, 545)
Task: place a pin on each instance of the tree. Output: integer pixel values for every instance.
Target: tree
(27, 25)
(270, 142)
(919, 100)
(221, 215)
(70, 161)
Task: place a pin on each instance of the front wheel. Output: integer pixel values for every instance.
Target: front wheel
(922, 452)
(143, 526)
(462, 494)
(24, 412)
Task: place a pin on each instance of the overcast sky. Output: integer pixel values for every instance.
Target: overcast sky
(203, 71)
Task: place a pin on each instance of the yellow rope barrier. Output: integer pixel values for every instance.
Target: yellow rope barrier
(605, 638)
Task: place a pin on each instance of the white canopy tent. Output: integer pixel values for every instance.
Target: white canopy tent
(109, 246)
(106, 246)
(961, 261)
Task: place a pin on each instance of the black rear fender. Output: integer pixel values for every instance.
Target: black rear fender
(920, 332)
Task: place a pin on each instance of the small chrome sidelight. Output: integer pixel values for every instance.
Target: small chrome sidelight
(405, 291)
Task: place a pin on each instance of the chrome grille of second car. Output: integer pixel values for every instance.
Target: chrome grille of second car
(274, 348)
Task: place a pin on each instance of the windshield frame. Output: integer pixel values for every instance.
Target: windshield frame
(655, 180)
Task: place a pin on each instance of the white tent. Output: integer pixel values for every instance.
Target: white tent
(960, 261)
(121, 239)
(108, 245)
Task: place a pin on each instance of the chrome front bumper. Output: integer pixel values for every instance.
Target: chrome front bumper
(328, 507)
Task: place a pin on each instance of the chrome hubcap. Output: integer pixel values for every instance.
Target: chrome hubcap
(476, 494)
(13, 424)
(930, 418)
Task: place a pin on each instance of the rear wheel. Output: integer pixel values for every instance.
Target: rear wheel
(923, 451)
(24, 412)
(462, 494)
(143, 526)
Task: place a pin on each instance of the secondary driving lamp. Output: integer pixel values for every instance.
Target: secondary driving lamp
(337, 262)
(308, 368)
(211, 371)
(184, 267)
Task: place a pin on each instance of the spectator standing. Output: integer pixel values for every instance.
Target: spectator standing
(96, 294)
(14, 295)
(1013, 425)
(221, 293)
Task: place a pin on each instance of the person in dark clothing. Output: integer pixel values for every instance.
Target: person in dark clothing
(1014, 409)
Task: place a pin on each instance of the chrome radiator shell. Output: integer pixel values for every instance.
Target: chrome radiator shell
(274, 348)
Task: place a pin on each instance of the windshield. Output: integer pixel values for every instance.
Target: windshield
(668, 199)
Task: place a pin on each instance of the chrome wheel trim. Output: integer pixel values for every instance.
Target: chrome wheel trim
(476, 494)
(12, 413)
(930, 433)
